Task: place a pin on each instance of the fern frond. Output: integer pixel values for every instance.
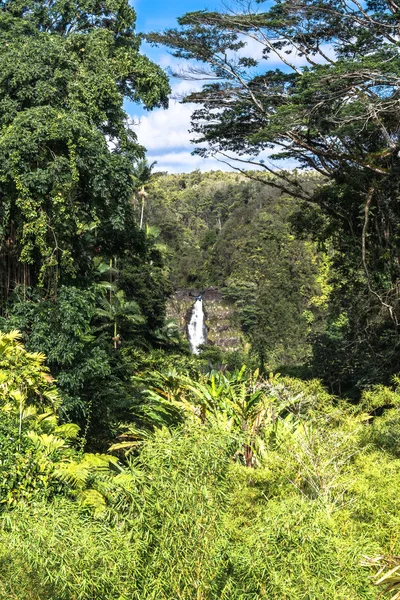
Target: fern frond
(94, 500)
(73, 474)
(44, 443)
(68, 431)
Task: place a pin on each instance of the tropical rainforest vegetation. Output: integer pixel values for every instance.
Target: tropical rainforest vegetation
(130, 468)
(336, 114)
(225, 230)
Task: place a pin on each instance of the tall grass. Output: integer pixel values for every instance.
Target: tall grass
(195, 525)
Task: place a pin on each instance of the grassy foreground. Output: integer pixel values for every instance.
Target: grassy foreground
(187, 520)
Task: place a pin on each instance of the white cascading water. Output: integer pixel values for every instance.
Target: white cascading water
(197, 332)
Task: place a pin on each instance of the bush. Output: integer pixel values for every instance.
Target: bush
(185, 520)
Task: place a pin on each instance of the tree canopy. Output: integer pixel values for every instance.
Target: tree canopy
(315, 82)
(66, 150)
(336, 110)
(332, 105)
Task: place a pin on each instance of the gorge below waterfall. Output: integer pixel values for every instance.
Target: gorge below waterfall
(197, 330)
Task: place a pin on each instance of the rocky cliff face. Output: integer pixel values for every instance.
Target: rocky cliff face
(219, 316)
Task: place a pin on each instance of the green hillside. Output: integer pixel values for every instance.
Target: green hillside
(225, 230)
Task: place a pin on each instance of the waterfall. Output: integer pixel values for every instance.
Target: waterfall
(197, 331)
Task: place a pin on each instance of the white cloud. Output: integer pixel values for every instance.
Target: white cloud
(253, 48)
(167, 61)
(184, 162)
(298, 60)
(165, 133)
(165, 129)
(183, 87)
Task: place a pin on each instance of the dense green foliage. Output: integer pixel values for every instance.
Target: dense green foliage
(281, 262)
(77, 276)
(224, 230)
(65, 69)
(316, 82)
(129, 468)
(185, 516)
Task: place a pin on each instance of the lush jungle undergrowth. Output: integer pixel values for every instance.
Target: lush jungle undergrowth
(196, 525)
(119, 482)
(258, 488)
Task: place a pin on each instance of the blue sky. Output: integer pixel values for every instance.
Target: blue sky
(165, 133)
(158, 14)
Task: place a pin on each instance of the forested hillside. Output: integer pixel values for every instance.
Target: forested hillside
(300, 296)
(134, 466)
(225, 230)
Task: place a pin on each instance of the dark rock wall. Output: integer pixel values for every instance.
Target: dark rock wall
(219, 316)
